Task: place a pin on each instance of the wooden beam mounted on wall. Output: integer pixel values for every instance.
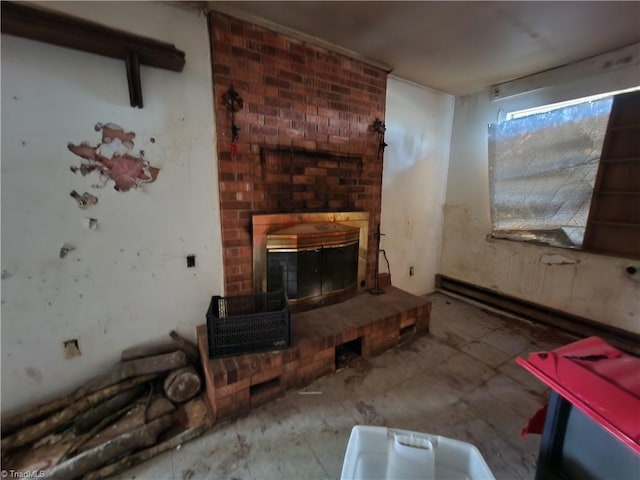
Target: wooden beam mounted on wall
(71, 32)
(133, 79)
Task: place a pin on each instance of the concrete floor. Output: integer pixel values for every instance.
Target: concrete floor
(461, 381)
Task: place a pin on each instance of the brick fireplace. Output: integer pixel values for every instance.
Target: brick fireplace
(305, 142)
(306, 166)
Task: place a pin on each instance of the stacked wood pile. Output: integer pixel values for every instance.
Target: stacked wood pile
(149, 403)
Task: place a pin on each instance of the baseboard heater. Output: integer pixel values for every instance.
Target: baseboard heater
(574, 324)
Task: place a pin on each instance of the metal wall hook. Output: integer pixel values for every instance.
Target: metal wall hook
(379, 128)
(233, 103)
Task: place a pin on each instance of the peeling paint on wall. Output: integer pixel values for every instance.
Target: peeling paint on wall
(113, 158)
(85, 169)
(555, 259)
(85, 200)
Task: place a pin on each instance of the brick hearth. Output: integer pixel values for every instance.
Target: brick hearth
(237, 384)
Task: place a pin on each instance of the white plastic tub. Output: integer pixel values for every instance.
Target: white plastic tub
(391, 454)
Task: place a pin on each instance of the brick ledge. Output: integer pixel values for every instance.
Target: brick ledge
(236, 384)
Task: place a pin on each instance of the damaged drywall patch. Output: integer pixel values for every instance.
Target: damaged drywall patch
(113, 158)
(85, 200)
(66, 248)
(71, 348)
(85, 169)
(555, 259)
(90, 223)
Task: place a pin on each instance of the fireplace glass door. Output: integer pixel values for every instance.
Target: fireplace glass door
(312, 273)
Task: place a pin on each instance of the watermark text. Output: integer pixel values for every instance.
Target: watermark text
(23, 474)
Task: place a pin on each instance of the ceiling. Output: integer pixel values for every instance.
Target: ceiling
(457, 47)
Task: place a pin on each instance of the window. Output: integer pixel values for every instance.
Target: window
(545, 162)
(568, 103)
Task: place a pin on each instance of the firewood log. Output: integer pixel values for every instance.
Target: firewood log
(131, 420)
(194, 412)
(13, 422)
(59, 419)
(144, 455)
(141, 366)
(35, 459)
(158, 407)
(151, 349)
(190, 420)
(49, 451)
(188, 415)
(182, 384)
(97, 429)
(124, 370)
(148, 350)
(85, 421)
(136, 417)
(186, 346)
(101, 455)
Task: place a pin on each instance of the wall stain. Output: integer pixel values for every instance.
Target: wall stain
(114, 159)
(92, 223)
(369, 413)
(454, 340)
(238, 455)
(188, 474)
(34, 374)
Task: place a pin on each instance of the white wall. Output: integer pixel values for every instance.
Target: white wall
(127, 282)
(591, 286)
(414, 178)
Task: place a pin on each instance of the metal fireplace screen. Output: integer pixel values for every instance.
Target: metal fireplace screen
(313, 261)
(248, 323)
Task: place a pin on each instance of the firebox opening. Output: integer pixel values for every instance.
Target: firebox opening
(307, 274)
(313, 263)
(316, 258)
(348, 353)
